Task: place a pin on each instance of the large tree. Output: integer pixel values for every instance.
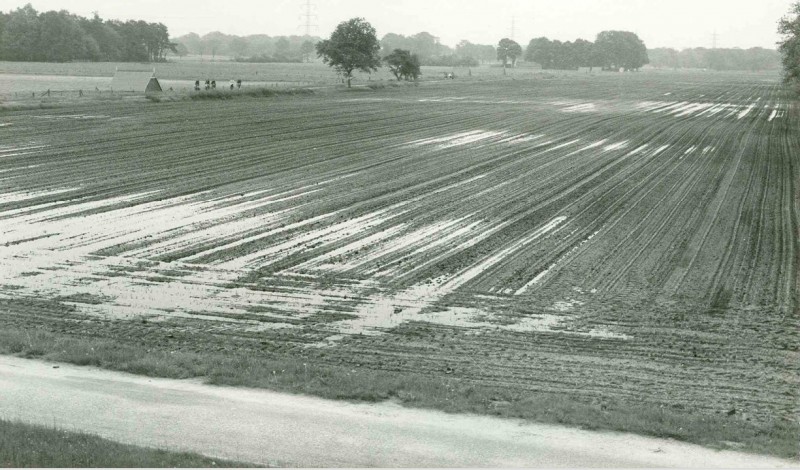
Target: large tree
(403, 64)
(789, 28)
(540, 50)
(352, 46)
(621, 49)
(508, 49)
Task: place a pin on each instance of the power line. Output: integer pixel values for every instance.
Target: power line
(308, 15)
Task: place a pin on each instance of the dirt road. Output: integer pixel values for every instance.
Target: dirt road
(272, 428)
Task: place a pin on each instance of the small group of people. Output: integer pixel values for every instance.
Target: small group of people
(209, 84)
(212, 84)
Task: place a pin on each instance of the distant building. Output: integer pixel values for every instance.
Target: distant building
(138, 81)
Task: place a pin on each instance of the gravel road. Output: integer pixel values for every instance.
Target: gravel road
(279, 429)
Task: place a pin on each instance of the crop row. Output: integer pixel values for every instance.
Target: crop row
(579, 221)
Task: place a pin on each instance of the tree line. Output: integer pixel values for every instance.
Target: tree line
(59, 36)
(611, 50)
(251, 48)
(263, 48)
(789, 28)
(431, 52)
(752, 59)
(354, 46)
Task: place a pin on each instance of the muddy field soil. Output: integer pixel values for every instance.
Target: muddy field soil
(611, 237)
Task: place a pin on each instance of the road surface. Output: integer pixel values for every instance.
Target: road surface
(278, 429)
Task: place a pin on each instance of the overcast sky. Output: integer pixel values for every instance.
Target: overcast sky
(667, 23)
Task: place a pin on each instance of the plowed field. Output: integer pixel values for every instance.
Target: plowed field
(631, 236)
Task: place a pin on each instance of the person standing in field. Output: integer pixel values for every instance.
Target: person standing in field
(232, 83)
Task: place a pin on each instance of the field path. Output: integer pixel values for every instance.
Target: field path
(288, 430)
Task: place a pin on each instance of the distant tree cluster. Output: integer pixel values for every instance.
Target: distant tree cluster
(753, 59)
(612, 50)
(480, 53)
(253, 48)
(58, 36)
(789, 28)
(431, 52)
(561, 55)
(354, 46)
(425, 45)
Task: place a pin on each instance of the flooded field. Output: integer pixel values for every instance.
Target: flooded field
(633, 241)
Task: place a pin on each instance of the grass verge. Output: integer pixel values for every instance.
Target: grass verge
(289, 374)
(223, 94)
(26, 445)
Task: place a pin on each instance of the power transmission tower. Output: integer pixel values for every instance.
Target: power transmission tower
(308, 16)
(714, 39)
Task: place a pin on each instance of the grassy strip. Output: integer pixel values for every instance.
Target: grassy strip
(203, 95)
(223, 94)
(288, 374)
(265, 92)
(26, 445)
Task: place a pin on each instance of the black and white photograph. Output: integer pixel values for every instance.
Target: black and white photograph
(400, 234)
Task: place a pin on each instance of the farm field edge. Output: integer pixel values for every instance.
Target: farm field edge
(302, 375)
